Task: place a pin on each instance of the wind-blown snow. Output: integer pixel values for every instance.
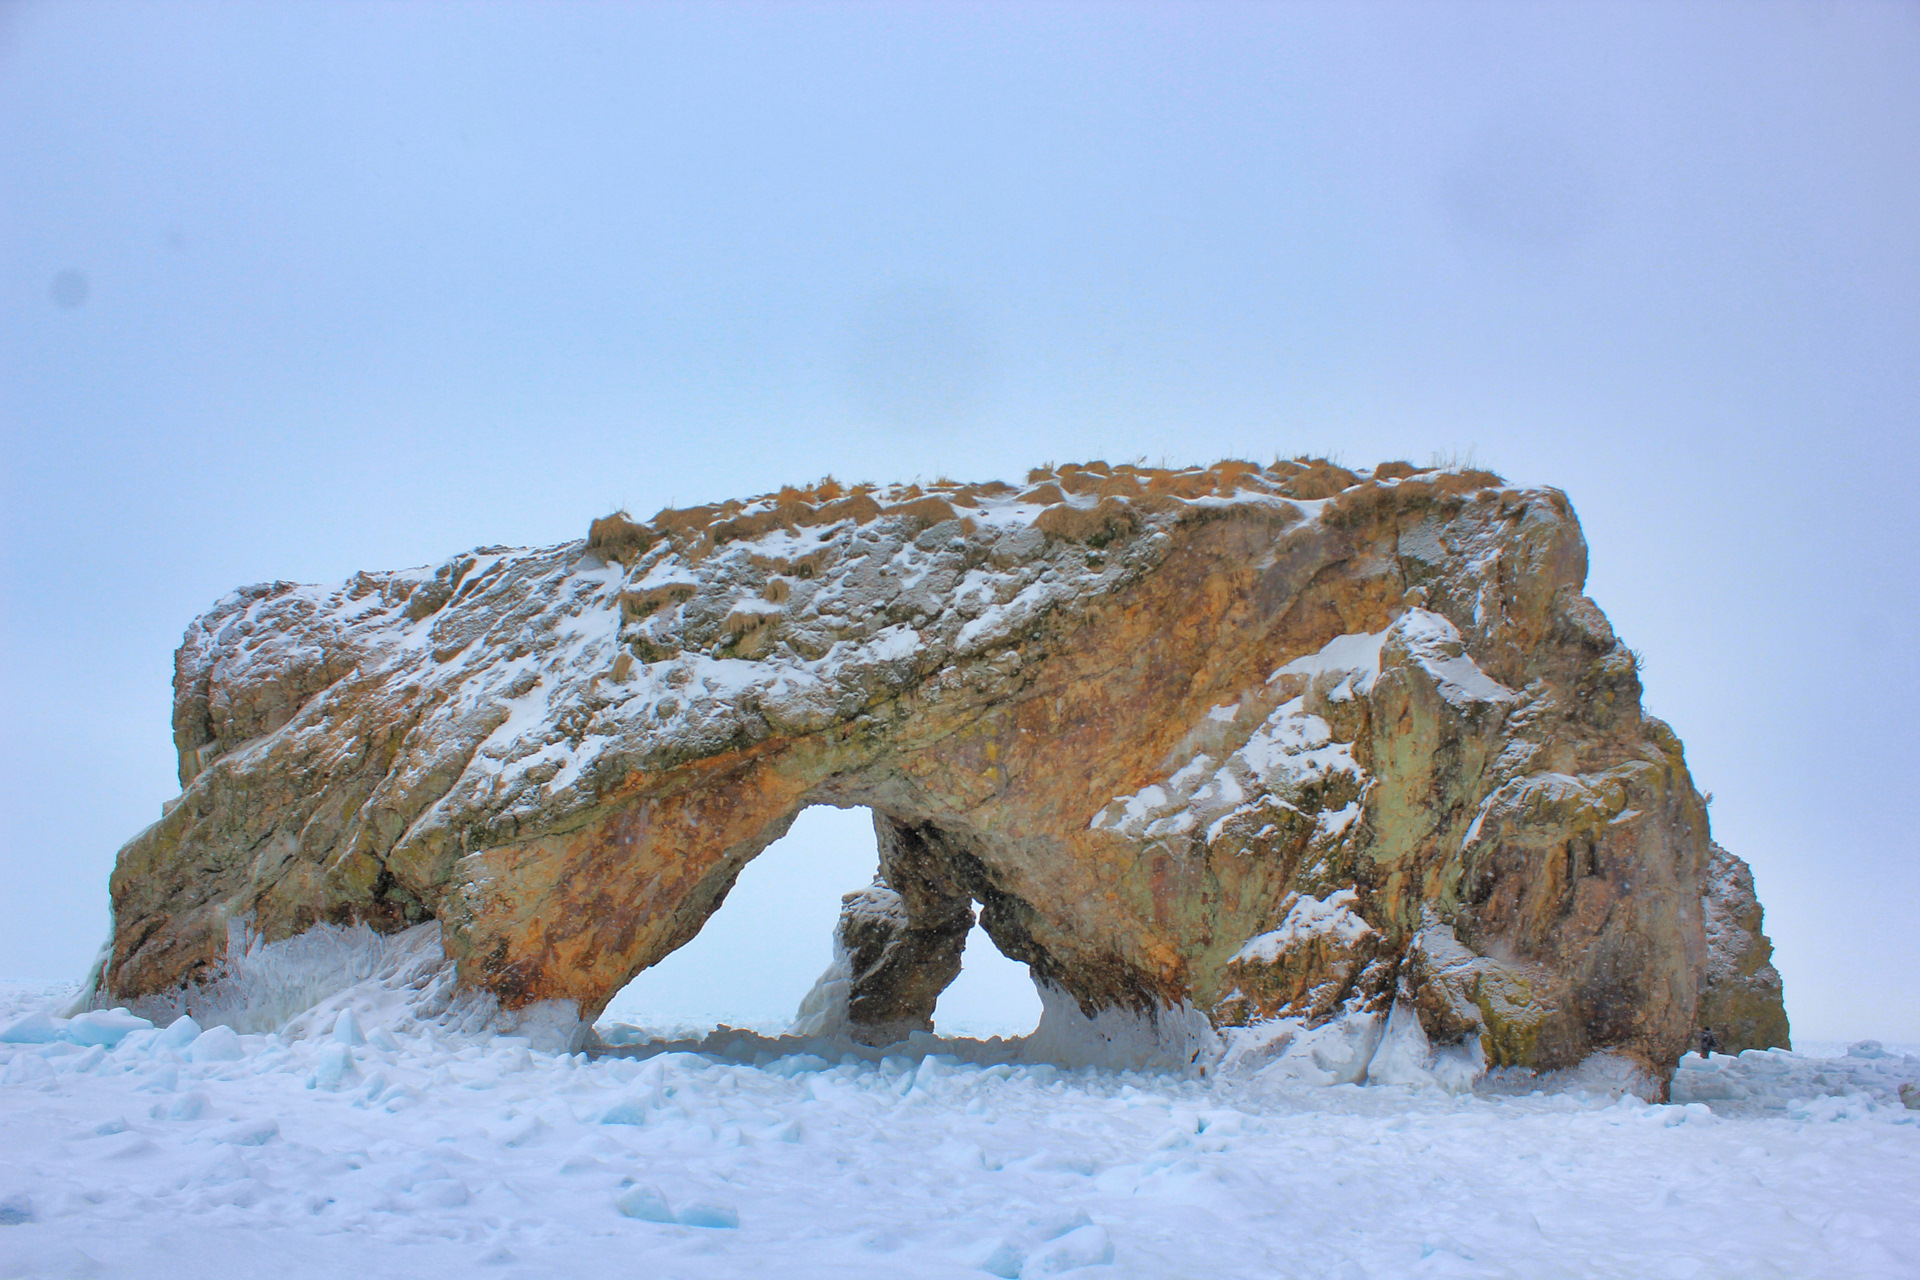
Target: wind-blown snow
(339, 1147)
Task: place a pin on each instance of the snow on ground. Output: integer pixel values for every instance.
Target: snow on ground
(134, 1152)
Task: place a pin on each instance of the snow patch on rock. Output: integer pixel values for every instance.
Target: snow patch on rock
(1308, 917)
(1433, 644)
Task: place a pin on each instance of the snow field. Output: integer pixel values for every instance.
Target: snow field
(135, 1151)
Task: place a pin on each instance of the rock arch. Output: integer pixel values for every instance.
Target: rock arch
(1254, 741)
(900, 938)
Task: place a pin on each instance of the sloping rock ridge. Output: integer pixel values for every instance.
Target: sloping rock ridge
(1249, 745)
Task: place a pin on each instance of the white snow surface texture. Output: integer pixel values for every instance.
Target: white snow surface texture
(337, 1146)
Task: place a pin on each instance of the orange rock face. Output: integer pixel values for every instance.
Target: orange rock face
(1268, 742)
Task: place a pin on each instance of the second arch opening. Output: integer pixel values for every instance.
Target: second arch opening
(853, 917)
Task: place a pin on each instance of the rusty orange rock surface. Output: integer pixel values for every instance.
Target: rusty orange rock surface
(1265, 741)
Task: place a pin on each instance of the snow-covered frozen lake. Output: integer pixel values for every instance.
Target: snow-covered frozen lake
(425, 1156)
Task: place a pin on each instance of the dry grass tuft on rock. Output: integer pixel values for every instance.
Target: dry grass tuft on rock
(619, 538)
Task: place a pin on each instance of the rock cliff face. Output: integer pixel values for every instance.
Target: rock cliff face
(1257, 742)
(1741, 999)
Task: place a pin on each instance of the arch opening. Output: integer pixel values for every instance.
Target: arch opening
(775, 938)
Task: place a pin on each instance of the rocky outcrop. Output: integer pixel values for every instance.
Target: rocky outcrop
(1740, 992)
(1262, 742)
(896, 949)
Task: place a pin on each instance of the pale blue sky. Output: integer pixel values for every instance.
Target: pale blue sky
(288, 291)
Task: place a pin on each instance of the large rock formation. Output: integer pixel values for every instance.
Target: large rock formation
(1258, 742)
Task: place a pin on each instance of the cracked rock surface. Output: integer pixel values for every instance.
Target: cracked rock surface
(1263, 741)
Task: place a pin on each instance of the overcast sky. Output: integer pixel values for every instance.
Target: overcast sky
(290, 291)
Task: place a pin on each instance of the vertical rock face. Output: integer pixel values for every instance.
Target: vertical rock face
(903, 936)
(1282, 741)
(1740, 994)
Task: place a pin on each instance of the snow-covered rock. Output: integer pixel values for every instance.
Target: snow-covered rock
(1206, 748)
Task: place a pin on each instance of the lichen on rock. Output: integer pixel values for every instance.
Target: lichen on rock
(1237, 743)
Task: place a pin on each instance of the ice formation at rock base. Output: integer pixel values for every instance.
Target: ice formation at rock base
(364, 1137)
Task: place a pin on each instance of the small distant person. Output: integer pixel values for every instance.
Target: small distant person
(1707, 1042)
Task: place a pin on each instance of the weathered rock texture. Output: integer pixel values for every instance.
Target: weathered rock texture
(1741, 995)
(1268, 741)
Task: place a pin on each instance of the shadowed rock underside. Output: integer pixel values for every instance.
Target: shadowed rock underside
(1283, 741)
